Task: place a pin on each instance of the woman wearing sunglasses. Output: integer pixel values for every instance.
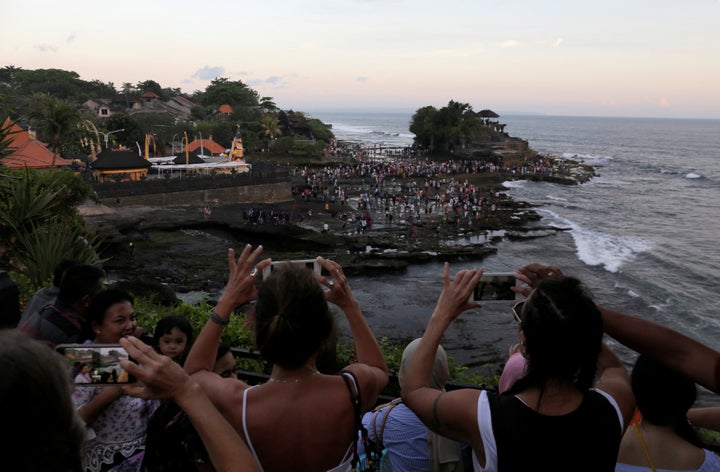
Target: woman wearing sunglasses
(555, 416)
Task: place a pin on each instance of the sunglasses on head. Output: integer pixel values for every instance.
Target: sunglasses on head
(517, 311)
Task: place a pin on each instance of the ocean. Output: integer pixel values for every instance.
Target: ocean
(641, 234)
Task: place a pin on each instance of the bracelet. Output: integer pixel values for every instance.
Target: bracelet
(215, 318)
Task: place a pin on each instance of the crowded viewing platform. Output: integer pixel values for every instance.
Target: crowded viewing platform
(179, 399)
(261, 289)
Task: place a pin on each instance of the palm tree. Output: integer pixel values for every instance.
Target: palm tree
(56, 121)
(270, 127)
(267, 103)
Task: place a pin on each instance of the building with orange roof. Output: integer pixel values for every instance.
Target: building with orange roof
(207, 146)
(27, 151)
(225, 109)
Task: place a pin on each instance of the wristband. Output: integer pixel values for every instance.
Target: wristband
(215, 318)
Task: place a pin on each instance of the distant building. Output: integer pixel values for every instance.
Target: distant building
(206, 147)
(119, 166)
(148, 103)
(27, 151)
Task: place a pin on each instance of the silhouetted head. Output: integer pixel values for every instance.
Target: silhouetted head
(563, 333)
(35, 398)
(60, 269)
(79, 284)
(440, 372)
(663, 396)
(292, 318)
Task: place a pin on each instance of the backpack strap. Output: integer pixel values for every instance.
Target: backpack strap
(354, 389)
(378, 410)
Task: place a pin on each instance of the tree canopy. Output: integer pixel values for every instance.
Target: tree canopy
(51, 100)
(452, 127)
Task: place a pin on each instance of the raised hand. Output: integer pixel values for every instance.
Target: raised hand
(240, 287)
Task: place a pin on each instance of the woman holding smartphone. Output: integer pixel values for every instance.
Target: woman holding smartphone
(301, 419)
(117, 423)
(555, 417)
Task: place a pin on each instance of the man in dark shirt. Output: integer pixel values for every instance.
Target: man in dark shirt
(61, 321)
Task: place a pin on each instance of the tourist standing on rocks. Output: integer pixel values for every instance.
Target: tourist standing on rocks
(300, 419)
(553, 417)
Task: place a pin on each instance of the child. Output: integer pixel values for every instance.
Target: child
(173, 337)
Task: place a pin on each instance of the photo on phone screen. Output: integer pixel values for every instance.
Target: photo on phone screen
(96, 364)
(495, 286)
(311, 264)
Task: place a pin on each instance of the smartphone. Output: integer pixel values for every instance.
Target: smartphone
(311, 264)
(95, 364)
(495, 286)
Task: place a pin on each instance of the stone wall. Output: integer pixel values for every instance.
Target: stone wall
(265, 193)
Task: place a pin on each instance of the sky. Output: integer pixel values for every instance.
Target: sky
(628, 58)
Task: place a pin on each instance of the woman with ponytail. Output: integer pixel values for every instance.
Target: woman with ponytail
(555, 416)
(304, 417)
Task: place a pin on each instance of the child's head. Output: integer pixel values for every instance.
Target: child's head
(173, 337)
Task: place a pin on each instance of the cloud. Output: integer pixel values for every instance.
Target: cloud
(208, 73)
(510, 43)
(71, 38)
(361, 78)
(276, 81)
(45, 47)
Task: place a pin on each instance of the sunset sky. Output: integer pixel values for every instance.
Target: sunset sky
(658, 58)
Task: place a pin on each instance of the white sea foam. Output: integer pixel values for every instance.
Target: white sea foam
(514, 183)
(586, 157)
(596, 248)
(692, 175)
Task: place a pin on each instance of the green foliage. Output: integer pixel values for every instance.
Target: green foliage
(454, 126)
(42, 248)
(59, 83)
(56, 121)
(39, 223)
(151, 86)
(283, 145)
(5, 139)
(234, 93)
(320, 131)
(238, 333)
(132, 133)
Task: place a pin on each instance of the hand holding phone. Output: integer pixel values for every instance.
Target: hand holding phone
(311, 264)
(495, 286)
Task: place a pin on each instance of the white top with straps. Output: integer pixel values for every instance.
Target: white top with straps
(344, 466)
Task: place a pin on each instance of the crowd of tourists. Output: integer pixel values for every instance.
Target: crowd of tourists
(565, 401)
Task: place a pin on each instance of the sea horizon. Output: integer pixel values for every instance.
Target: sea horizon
(502, 113)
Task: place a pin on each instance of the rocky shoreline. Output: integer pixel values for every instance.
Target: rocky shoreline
(180, 248)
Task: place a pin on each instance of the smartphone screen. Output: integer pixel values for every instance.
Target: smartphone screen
(96, 364)
(311, 264)
(495, 286)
